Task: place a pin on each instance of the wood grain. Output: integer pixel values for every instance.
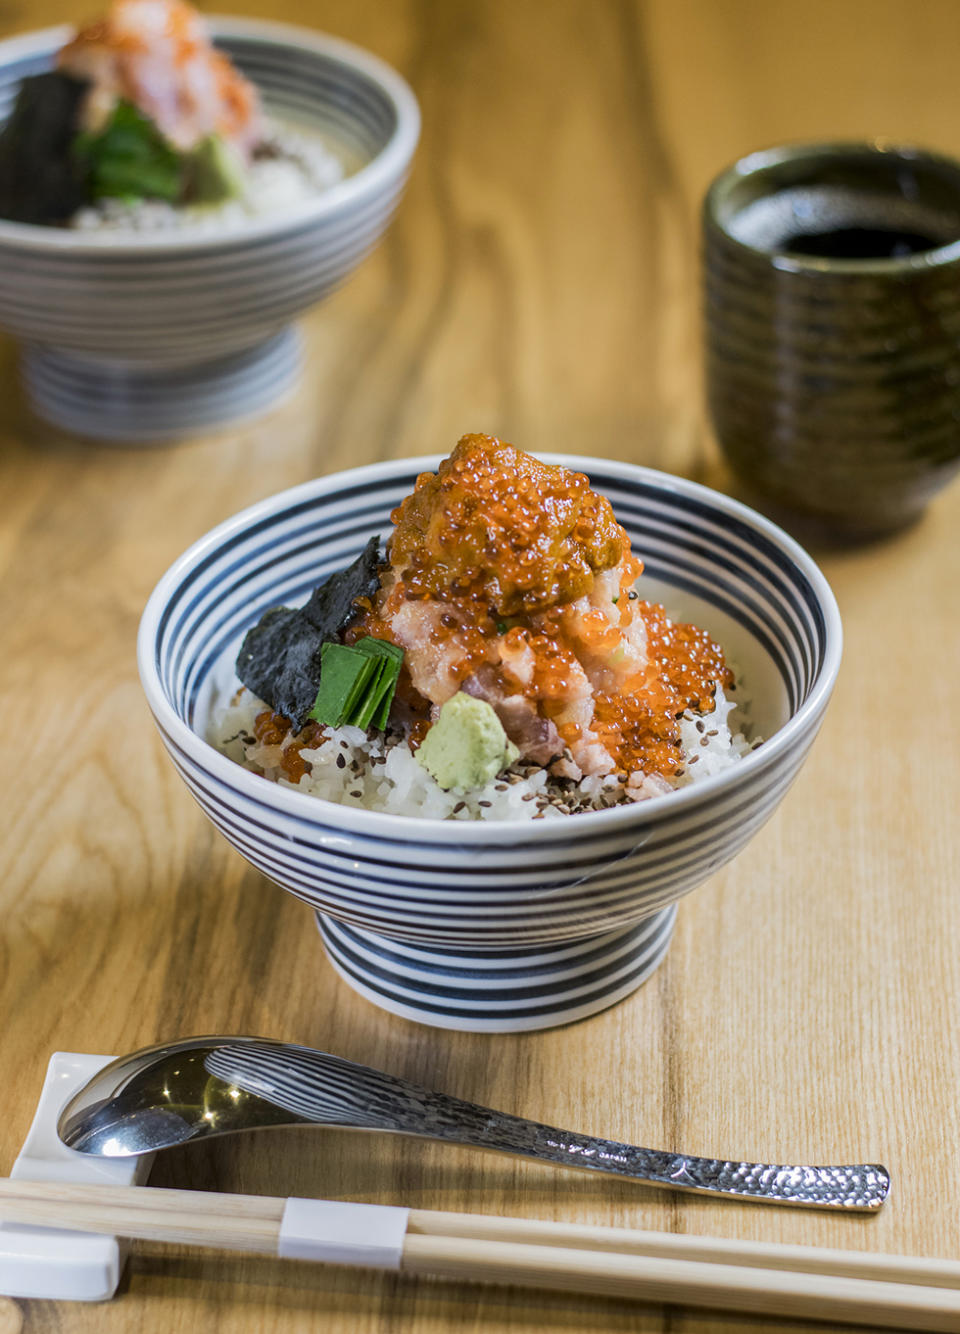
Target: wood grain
(540, 282)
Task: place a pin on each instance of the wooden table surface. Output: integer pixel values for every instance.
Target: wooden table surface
(540, 283)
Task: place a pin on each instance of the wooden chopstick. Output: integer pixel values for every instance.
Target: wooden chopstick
(186, 1217)
(803, 1296)
(794, 1281)
(675, 1246)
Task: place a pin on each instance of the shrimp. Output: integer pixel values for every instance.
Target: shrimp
(157, 55)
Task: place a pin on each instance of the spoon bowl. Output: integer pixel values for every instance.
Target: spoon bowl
(202, 1087)
(160, 1097)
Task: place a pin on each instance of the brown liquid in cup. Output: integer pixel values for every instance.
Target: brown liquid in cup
(860, 243)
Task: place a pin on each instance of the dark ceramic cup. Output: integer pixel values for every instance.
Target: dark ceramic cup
(832, 310)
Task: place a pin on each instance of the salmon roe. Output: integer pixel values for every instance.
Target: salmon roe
(642, 730)
(502, 545)
(496, 525)
(273, 729)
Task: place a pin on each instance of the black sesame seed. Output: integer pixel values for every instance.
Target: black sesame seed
(341, 762)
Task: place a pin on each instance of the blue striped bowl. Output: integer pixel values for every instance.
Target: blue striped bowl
(142, 337)
(500, 926)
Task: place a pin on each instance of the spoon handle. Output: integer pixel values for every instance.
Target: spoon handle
(316, 1087)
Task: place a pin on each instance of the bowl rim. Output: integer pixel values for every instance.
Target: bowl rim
(377, 174)
(762, 159)
(350, 820)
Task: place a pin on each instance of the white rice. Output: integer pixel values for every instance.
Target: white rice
(379, 771)
(301, 166)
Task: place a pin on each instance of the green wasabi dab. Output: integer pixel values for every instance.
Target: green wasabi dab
(466, 747)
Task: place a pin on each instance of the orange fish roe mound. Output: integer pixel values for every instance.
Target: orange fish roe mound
(642, 731)
(690, 661)
(512, 580)
(496, 524)
(555, 665)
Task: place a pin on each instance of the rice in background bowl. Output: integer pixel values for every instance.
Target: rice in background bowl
(490, 925)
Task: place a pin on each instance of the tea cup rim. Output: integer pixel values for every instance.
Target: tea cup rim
(764, 158)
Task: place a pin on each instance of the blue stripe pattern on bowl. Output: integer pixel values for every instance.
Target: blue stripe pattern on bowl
(409, 906)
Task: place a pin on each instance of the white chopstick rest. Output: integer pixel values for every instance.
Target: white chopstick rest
(44, 1261)
(343, 1233)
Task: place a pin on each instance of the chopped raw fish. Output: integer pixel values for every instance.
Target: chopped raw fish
(157, 54)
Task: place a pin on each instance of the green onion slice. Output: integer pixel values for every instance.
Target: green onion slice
(357, 683)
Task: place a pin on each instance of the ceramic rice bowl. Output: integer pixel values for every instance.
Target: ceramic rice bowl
(497, 927)
(142, 337)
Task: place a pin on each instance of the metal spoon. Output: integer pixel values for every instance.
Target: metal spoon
(202, 1087)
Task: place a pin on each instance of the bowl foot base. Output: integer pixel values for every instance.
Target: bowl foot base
(153, 405)
(498, 991)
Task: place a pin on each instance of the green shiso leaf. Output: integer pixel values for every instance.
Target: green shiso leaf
(281, 657)
(129, 158)
(386, 685)
(382, 715)
(379, 647)
(357, 683)
(363, 714)
(344, 677)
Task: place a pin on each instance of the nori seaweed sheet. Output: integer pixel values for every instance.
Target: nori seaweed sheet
(41, 180)
(279, 659)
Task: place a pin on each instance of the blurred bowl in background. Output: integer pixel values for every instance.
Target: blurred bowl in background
(141, 337)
